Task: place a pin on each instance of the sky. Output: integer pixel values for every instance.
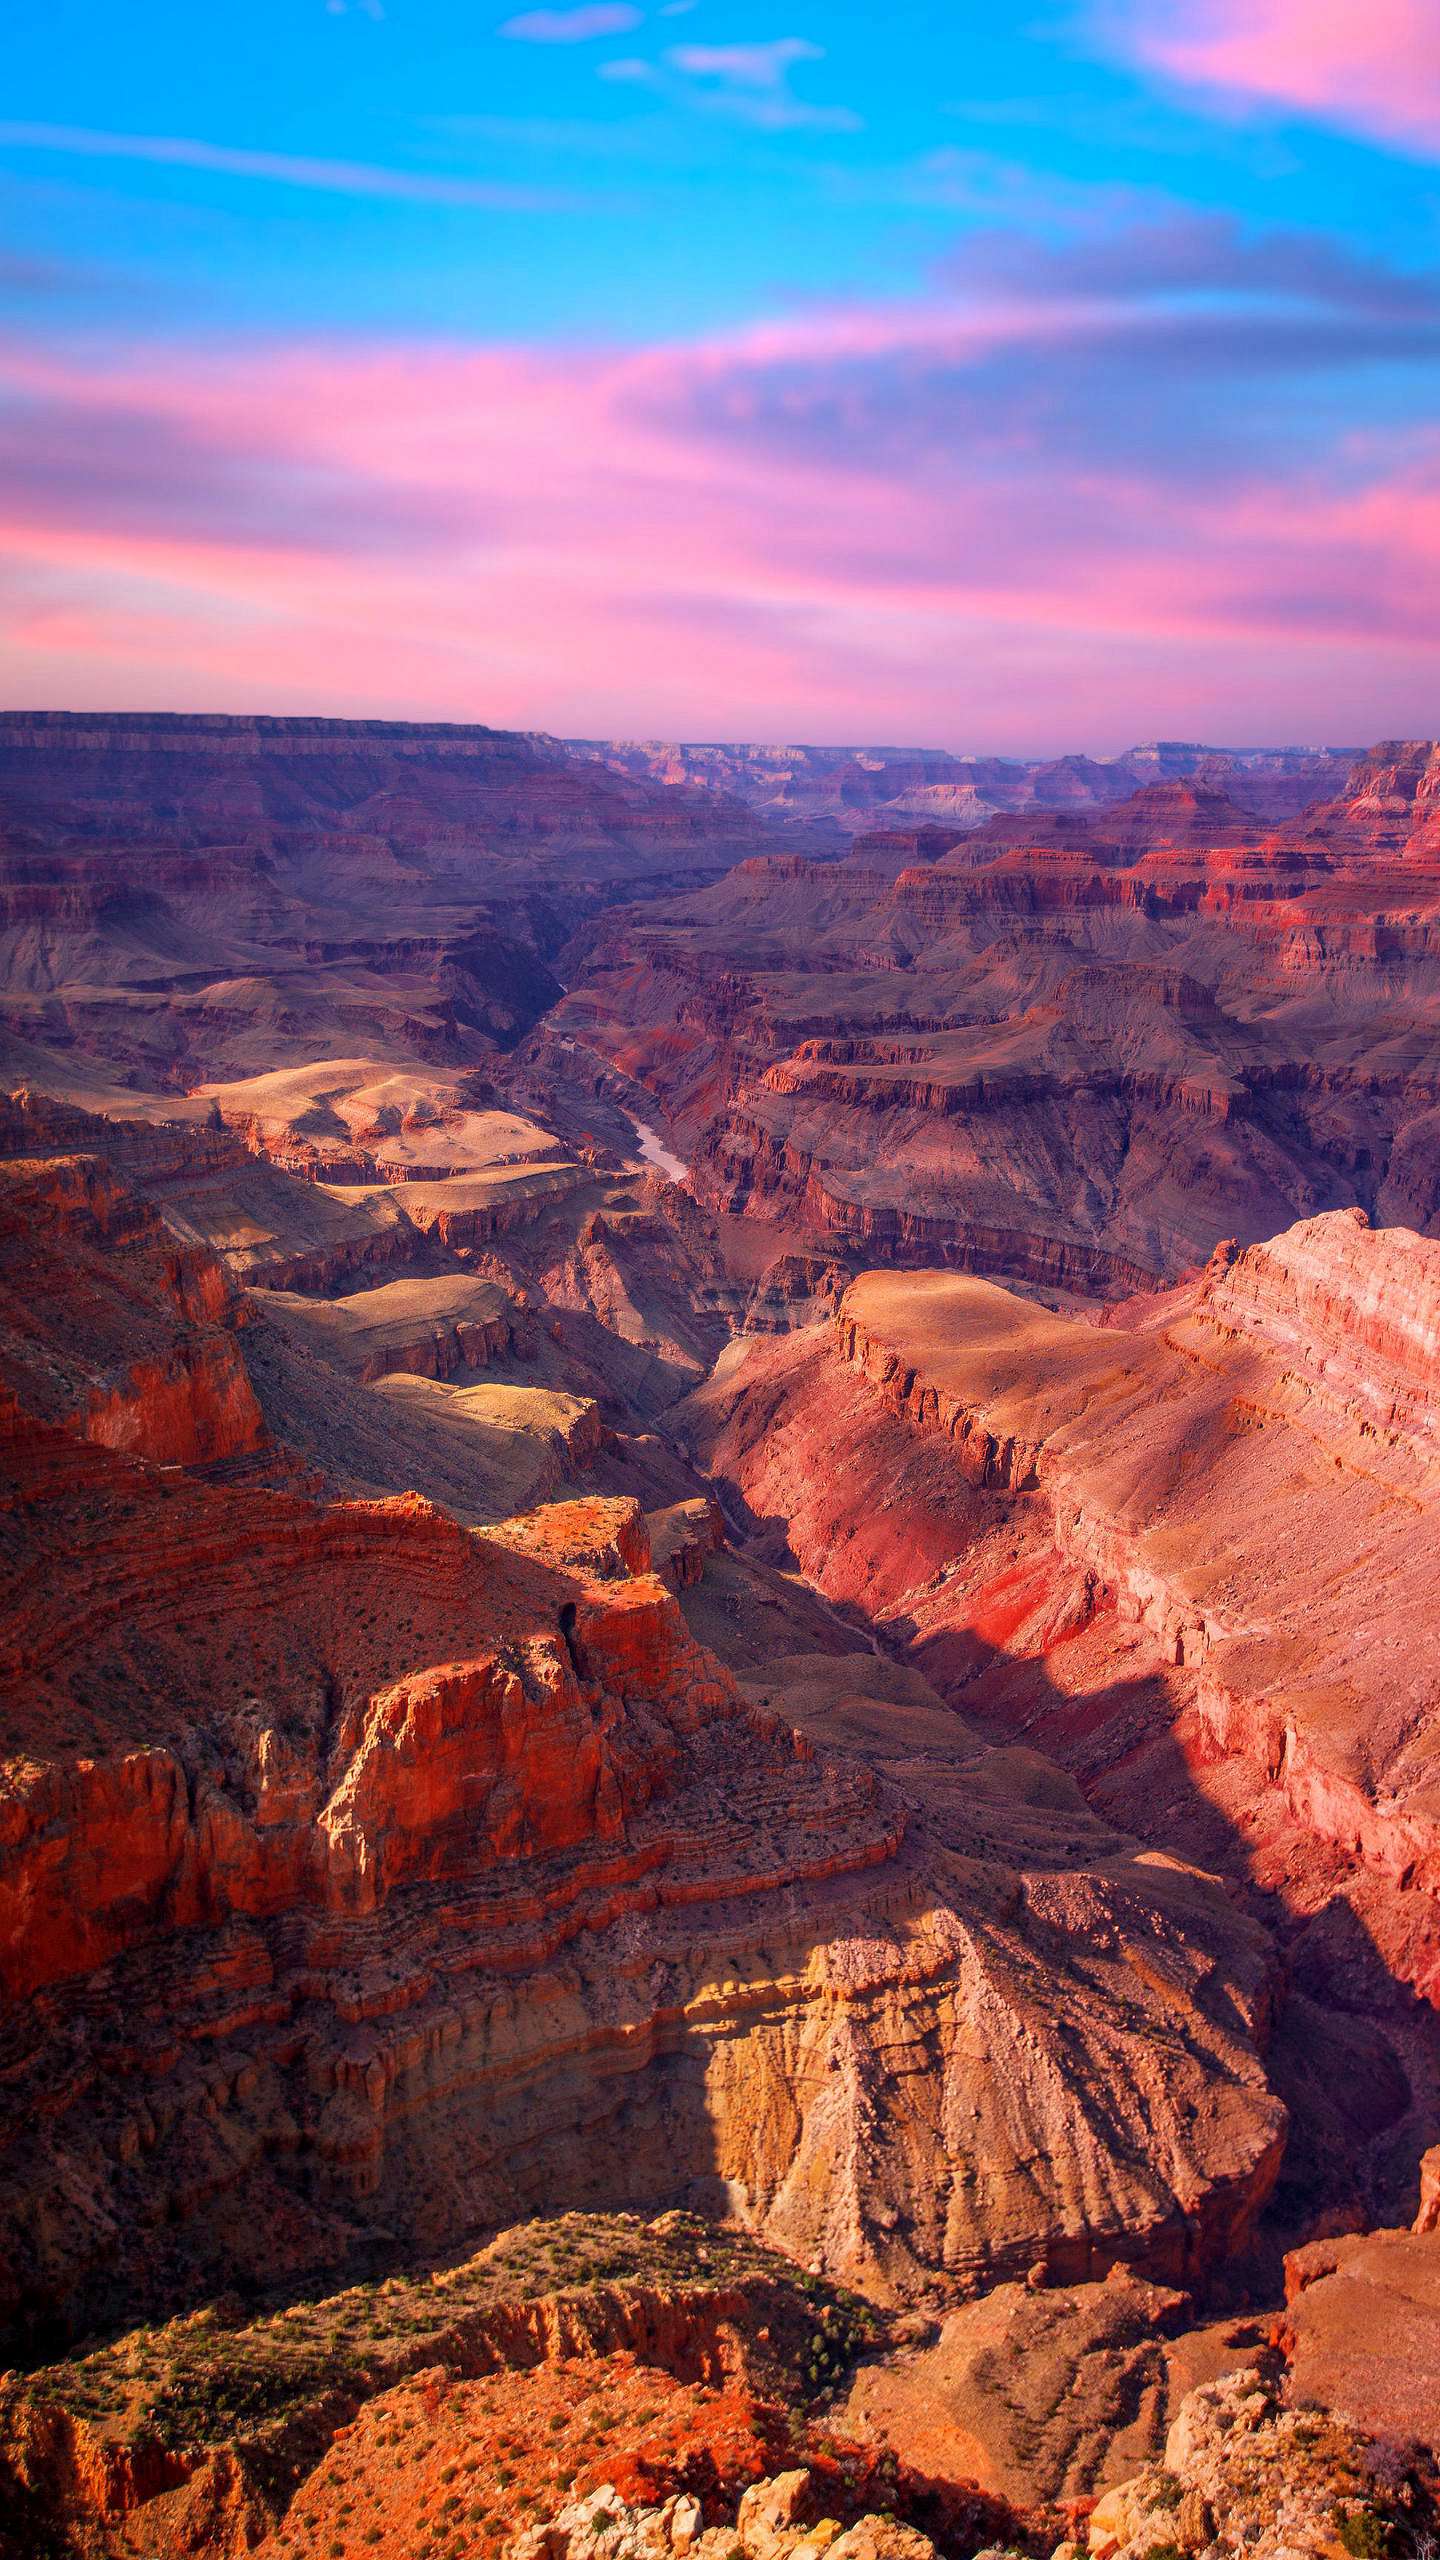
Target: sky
(1008, 378)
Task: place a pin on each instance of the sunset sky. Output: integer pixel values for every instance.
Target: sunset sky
(994, 377)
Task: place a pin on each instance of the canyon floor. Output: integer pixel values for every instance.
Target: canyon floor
(719, 1749)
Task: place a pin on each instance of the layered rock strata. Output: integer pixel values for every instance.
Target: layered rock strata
(1186, 1552)
(382, 1914)
(361, 1872)
(111, 1324)
(1072, 1048)
(192, 898)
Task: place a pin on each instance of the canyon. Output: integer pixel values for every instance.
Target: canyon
(718, 1519)
(837, 792)
(1064, 1050)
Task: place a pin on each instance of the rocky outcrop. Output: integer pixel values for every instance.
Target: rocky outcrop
(1047, 2394)
(1245, 2471)
(330, 1853)
(473, 1209)
(111, 1325)
(1391, 800)
(433, 1327)
(1353, 1313)
(684, 1538)
(1361, 2330)
(777, 2519)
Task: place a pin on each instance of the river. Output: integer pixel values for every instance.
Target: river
(655, 1152)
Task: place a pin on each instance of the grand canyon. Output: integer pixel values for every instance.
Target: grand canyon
(720, 1813)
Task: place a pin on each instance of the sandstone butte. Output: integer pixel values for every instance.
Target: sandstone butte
(675, 1877)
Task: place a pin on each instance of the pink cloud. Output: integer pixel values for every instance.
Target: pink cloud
(1370, 65)
(588, 557)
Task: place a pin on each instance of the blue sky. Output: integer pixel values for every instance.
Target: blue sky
(989, 374)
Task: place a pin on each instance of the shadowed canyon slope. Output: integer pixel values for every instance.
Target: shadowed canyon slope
(187, 897)
(719, 1756)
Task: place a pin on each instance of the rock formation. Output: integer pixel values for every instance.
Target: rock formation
(834, 792)
(1047, 2394)
(1182, 1552)
(112, 1326)
(1245, 2469)
(581, 2359)
(314, 1813)
(1361, 2333)
(1073, 1048)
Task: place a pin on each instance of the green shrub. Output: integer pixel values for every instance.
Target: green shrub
(1369, 2535)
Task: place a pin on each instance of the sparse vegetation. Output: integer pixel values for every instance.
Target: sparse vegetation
(1367, 2534)
(222, 2376)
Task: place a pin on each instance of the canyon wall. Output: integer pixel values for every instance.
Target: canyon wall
(1184, 1551)
(835, 792)
(565, 1646)
(184, 897)
(1073, 1048)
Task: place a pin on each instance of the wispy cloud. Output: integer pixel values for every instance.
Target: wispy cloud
(573, 26)
(278, 168)
(747, 66)
(750, 82)
(1369, 66)
(1182, 255)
